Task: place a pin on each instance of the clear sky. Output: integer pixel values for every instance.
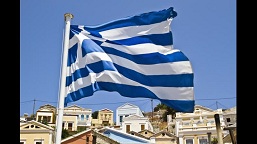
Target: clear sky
(204, 30)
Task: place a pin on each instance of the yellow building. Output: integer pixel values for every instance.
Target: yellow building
(46, 114)
(34, 132)
(164, 137)
(69, 122)
(104, 118)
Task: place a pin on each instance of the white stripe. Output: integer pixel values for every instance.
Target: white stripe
(141, 48)
(77, 38)
(132, 31)
(88, 59)
(168, 93)
(73, 41)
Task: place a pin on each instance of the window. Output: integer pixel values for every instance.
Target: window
(87, 140)
(44, 119)
(70, 126)
(87, 117)
(127, 128)
(142, 127)
(22, 141)
(189, 141)
(203, 141)
(49, 119)
(82, 117)
(39, 141)
(121, 118)
(39, 118)
(228, 119)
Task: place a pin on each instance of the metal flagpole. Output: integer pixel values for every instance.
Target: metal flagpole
(68, 17)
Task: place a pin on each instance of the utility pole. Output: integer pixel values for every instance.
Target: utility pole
(218, 128)
(34, 109)
(152, 108)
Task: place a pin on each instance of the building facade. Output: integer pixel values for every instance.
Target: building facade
(126, 110)
(75, 116)
(104, 118)
(230, 118)
(46, 114)
(164, 137)
(34, 132)
(197, 127)
(136, 123)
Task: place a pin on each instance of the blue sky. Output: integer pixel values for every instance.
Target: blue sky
(204, 30)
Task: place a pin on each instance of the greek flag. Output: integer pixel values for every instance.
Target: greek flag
(133, 56)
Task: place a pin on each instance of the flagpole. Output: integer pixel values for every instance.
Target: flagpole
(67, 17)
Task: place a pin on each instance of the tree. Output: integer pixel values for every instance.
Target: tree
(33, 116)
(169, 111)
(160, 106)
(214, 141)
(95, 114)
(65, 133)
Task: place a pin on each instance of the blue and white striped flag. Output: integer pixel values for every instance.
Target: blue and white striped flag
(133, 56)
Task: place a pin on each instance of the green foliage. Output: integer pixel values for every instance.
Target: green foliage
(169, 111)
(95, 114)
(65, 133)
(44, 122)
(33, 115)
(214, 141)
(160, 106)
(81, 128)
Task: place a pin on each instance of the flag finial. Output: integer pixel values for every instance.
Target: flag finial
(68, 15)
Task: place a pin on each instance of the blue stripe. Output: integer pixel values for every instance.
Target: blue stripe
(89, 46)
(96, 67)
(147, 59)
(128, 91)
(180, 105)
(74, 30)
(81, 93)
(142, 19)
(158, 39)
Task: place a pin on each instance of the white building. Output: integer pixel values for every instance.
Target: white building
(126, 110)
(193, 128)
(136, 123)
